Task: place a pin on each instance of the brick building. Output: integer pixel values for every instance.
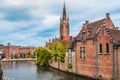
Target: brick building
(94, 52)
(94, 48)
(12, 51)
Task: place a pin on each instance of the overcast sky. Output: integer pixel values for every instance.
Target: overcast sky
(33, 22)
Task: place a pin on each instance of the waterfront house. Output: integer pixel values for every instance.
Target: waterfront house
(94, 48)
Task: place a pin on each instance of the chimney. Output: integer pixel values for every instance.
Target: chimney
(107, 15)
(87, 22)
(84, 25)
(117, 28)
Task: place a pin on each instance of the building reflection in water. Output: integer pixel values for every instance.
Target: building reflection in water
(15, 64)
(10, 65)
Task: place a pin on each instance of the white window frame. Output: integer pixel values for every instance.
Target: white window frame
(82, 52)
(69, 56)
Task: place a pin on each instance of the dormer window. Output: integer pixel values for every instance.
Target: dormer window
(84, 36)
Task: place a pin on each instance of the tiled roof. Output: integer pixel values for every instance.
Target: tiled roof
(92, 29)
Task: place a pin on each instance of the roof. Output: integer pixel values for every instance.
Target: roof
(115, 34)
(92, 29)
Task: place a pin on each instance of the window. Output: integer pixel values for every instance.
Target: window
(107, 48)
(82, 52)
(100, 45)
(69, 57)
(84, 36)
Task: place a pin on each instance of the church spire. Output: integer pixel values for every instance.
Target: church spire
(64, 12)
(64, 25)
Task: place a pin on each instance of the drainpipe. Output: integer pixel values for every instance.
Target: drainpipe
(76, 61)
(117, 73)
(76, 57)
(96, 58)
(113, 72)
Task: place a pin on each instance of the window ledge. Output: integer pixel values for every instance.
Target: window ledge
(106, 54)
(83, 40)
(100, 53)
(83, 60)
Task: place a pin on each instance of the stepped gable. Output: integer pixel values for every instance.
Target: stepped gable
(114, 34)
(92, 29)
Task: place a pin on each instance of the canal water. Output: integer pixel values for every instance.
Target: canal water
(27, 70)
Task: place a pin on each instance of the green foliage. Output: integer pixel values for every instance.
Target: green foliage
(43, 56)
(35, 52)
(29, 53)
(69, 66)
(55, 56)
(58, 49)
(62, 56)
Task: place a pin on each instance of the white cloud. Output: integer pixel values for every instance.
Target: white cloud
(45, 15)
(1, 16)
(50, 20)
(6, 26)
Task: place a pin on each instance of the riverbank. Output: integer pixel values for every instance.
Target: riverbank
(20, 70)
(1, 72)
(74, 74)
(19, 59)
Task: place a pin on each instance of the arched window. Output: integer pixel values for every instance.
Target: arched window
(107, 48)
(100, 45)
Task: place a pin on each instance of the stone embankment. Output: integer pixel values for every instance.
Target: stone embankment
(1, 72)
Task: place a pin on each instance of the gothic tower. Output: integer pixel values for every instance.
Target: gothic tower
(64, 25)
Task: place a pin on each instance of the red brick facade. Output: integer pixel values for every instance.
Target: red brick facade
(16, 51)
(97, 60)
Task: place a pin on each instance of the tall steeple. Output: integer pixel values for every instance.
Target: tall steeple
(64, 25)
(64, 12)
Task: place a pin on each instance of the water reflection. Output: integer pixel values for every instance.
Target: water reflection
(24, 70)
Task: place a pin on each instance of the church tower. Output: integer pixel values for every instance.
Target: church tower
(64, 25)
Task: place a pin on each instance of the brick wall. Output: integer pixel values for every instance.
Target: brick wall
(63, 66)
(104, 58)
(86, 66)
